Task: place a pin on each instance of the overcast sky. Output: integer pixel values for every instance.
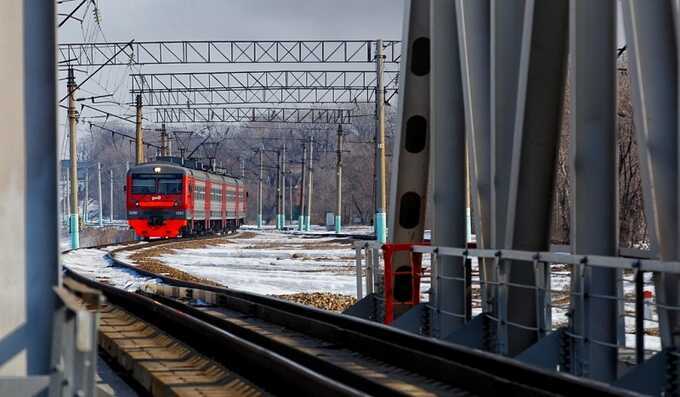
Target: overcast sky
(149, 20)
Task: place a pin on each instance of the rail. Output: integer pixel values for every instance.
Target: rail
(457, 366)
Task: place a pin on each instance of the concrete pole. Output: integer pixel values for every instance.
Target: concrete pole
(139, 133)
(259, 191)
(380, 221)
(28, 176)
(290, 197)
(278, 190)
(99, 194)
(165, 150)
(301, 217)
(74, 223)
(283, 187)
(111, 195)
(308, 217)
(338, 184)
(87, 195)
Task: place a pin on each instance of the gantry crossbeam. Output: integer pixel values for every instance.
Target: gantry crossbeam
(225, 52)
(180, 89)
(244, 114)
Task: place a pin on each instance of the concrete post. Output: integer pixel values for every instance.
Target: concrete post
(99, 194)
(87, 196)
(139, 133)
(28, 176)
(301, 217)
(74, 224)
(380, 221)
(278, 190)
(259, 191)
(283, 187)
(308, 224)
(111, 194)
(338, 184)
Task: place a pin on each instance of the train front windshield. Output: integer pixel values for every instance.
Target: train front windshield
(156, 184)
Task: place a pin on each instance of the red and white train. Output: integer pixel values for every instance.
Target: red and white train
(167, 200)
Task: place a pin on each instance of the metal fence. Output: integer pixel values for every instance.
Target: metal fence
(560, 294)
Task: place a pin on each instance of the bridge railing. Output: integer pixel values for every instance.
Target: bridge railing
(559, 294)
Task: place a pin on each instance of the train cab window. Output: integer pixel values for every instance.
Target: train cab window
(170, 186)
(143, 185)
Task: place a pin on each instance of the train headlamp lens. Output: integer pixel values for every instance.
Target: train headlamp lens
(157, 170)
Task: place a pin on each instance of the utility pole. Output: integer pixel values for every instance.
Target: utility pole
(87, 196)
(111, 193)
(308, 224)
(380, 221)
(283, 188)
(139, 133)
(74, 224)
(99, 194)
(338, 184)
(165, 150)
(278, 190)
(301, 217)
(259, 191)
(290, 196)
(243, 169)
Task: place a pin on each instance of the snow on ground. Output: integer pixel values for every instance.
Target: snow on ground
(92, 264)
(272, 263)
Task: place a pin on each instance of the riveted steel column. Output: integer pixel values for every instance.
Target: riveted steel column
(28, 198)
(537, 131)
(593, 184)
(653, 64)
(506, 42)
(412, 144)
(448, 166)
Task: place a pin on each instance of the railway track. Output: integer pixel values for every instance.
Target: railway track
(283, 347)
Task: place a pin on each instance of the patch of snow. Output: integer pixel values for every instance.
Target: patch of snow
(92, 264)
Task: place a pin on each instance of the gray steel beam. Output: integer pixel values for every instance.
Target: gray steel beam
(28, 176)
(411, 145)
(593, 181)
(250, 114)
(224, 52)
(507, 18)
(653, 65)
(506, 43)
(537, 127)
(448, 168)
(474, 37)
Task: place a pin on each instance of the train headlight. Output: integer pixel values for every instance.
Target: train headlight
(157, 170)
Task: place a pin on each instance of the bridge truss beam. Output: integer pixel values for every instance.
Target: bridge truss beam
(225, 52)
(251, 114)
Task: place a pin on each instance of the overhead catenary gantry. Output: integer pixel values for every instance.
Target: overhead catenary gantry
(253, 115)
(225, 52)
(224, 88)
